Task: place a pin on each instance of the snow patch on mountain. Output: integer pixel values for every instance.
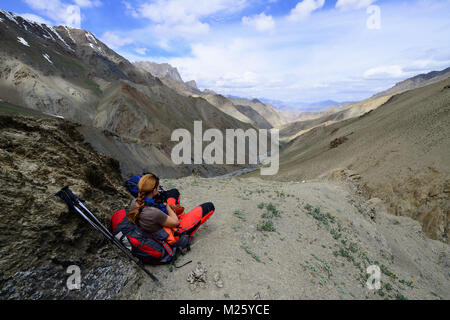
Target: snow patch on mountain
(46, 56)
(90, 36)
(23, 41)
(60, 38)
(98, 48)
(51, 37)
(70, 36)
(9, 16)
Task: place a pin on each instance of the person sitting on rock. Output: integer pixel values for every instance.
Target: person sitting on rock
(151, 216)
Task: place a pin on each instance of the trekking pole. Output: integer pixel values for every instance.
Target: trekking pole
(67, 195)
(104, 230)
(69, 198)
(79, 201)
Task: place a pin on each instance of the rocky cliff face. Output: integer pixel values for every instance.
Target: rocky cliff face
(39, 237)
(169, 76)
(160, 70)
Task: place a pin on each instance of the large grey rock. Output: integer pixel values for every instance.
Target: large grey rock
(40, 238)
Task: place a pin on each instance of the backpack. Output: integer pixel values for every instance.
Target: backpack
(151, 249)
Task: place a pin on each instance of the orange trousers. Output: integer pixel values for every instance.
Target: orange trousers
(192, 220)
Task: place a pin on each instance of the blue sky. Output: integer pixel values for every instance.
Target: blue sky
(288, 50)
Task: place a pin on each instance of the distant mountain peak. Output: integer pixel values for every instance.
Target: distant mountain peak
(161, 70)
(192, 84)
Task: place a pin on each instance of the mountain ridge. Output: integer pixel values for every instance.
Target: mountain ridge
(415, 82)
(69, 72)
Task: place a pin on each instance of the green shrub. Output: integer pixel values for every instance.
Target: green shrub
(240, 215)
(266, 225)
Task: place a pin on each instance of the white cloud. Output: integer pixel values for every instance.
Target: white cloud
(429, 64)
(88, 3)
(35, 18)
(260, 22)
(58, 11)
(223, 65)
(178, 11)
(353, 4)
(130, 9)
(304, 9)
(114, 41)
(183, 18)
(141, 51)
(333, 56)
(393, 71)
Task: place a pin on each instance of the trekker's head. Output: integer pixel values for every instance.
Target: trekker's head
(148, 186)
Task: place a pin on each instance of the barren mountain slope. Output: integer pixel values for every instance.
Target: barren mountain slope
(418, 81)
(399, 153)
(245, 112)
(257, 120)
(226, 106)
(273, 116)
(296, 128)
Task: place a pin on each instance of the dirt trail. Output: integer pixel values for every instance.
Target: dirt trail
(325, 235)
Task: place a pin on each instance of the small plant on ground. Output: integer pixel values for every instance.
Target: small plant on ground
(336, 235)
(272, 209)
(387, 272)
(352, 247)
(399, 296)
(266, 225)
(317, 214)
(240, 215)
(247, 249)
(324, 263)
(436, 295)
(388, 286)
(280, 194)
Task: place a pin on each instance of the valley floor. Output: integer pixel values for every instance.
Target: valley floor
(323, 237)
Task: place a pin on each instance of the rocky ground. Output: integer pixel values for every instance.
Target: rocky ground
(299, 240)
(39, 237)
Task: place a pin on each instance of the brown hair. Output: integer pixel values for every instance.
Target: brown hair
(146, 184)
